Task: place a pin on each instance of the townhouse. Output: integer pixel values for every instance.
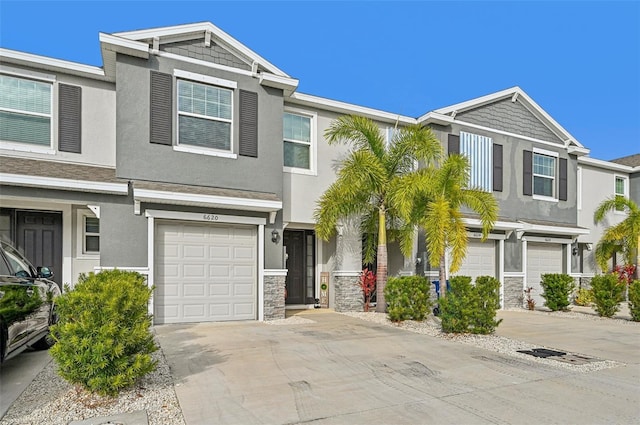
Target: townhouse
(193, 160)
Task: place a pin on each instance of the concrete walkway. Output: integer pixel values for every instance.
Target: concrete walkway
(16, 375)
(341, 370)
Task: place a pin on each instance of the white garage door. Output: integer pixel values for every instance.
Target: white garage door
(542, 258)
(480, 259)
(205, 272)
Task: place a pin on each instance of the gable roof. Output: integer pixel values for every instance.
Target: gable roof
(143, 43)
(631, 160)
(448, 114)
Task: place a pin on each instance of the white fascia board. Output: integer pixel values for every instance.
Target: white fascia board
(606, 164)
(499, 225)
(553, 230)
(202, 26)
(479, 101)
(347, 108)
(28, 58)
(435, 118)
(64, 184)
(286, 84)
(211, 201)
(578, 151)
(124, 45)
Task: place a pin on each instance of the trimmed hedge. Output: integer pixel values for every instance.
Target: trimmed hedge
(557, 287)
(471, 308)
(407, 298)
(608, 293)
(634, 300)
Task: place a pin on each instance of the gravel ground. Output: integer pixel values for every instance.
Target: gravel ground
(51, 400)
(431, 326)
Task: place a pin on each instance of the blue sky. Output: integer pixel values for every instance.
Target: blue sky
(579, 60)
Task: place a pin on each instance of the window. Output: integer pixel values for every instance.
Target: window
(25, 111)
(620, 188)
(479, 150)
(91, 232)
(544, 173)
(204, 115)
(297, 141)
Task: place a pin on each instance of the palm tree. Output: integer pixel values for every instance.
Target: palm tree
(433, 198)
(623, 237)
(363, 184)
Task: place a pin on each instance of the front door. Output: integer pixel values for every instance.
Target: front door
(300, 282)
(39, 237)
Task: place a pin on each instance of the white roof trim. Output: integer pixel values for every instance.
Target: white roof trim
(64, 184)
(499, 225)
(203, 27)
(91, 71)
(552, 230)
(607, 165)
(288, 85)
(346, 108)
(124, 45)
(511, 92)
(211, 201)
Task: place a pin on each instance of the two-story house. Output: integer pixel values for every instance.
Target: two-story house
(192, 159)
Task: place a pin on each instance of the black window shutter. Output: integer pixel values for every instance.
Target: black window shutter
(497, 168)
(69, 118)
(161, 108)
(527, 175)
(248, 124)
(453, 144)
(562, 190)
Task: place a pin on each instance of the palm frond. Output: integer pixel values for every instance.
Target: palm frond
(361, 132)
(436, 226)
(457, 240)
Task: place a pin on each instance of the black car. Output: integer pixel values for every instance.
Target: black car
(27, 304)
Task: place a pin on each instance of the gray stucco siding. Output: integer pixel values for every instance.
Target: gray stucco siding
(123, 235)
(138, 159)
(513, 204)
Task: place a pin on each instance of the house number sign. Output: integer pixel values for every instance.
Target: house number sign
(210, 217)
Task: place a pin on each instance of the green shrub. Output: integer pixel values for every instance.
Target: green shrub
(557, 288)
(103, 341)
(408, 298)
(584, 297)
(634, 300)
(608, 293)
(469, 308)
(488, 298)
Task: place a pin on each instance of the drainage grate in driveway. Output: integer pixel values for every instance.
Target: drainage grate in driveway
(560, 356)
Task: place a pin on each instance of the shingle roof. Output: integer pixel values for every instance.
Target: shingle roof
(631, 160)
(201, 190)
(58, 170)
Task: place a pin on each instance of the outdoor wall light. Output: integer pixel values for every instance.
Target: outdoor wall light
(275, 236)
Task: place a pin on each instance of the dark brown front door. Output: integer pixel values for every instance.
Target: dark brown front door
(299, 245)
(39, 236)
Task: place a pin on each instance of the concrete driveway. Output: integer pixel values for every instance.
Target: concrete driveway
(17, 373)
(341, 370)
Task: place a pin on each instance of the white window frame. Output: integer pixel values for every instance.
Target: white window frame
(625, 180)
(313, 144)
(555, 156)
(40, 78)
(208, 80)
(82, 215)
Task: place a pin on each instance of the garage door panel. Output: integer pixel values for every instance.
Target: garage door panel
(480, 259)
(212, 275)
(542, 258)
(219, 252)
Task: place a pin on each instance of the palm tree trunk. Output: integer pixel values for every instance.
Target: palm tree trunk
(443, 277)
(381, 257)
